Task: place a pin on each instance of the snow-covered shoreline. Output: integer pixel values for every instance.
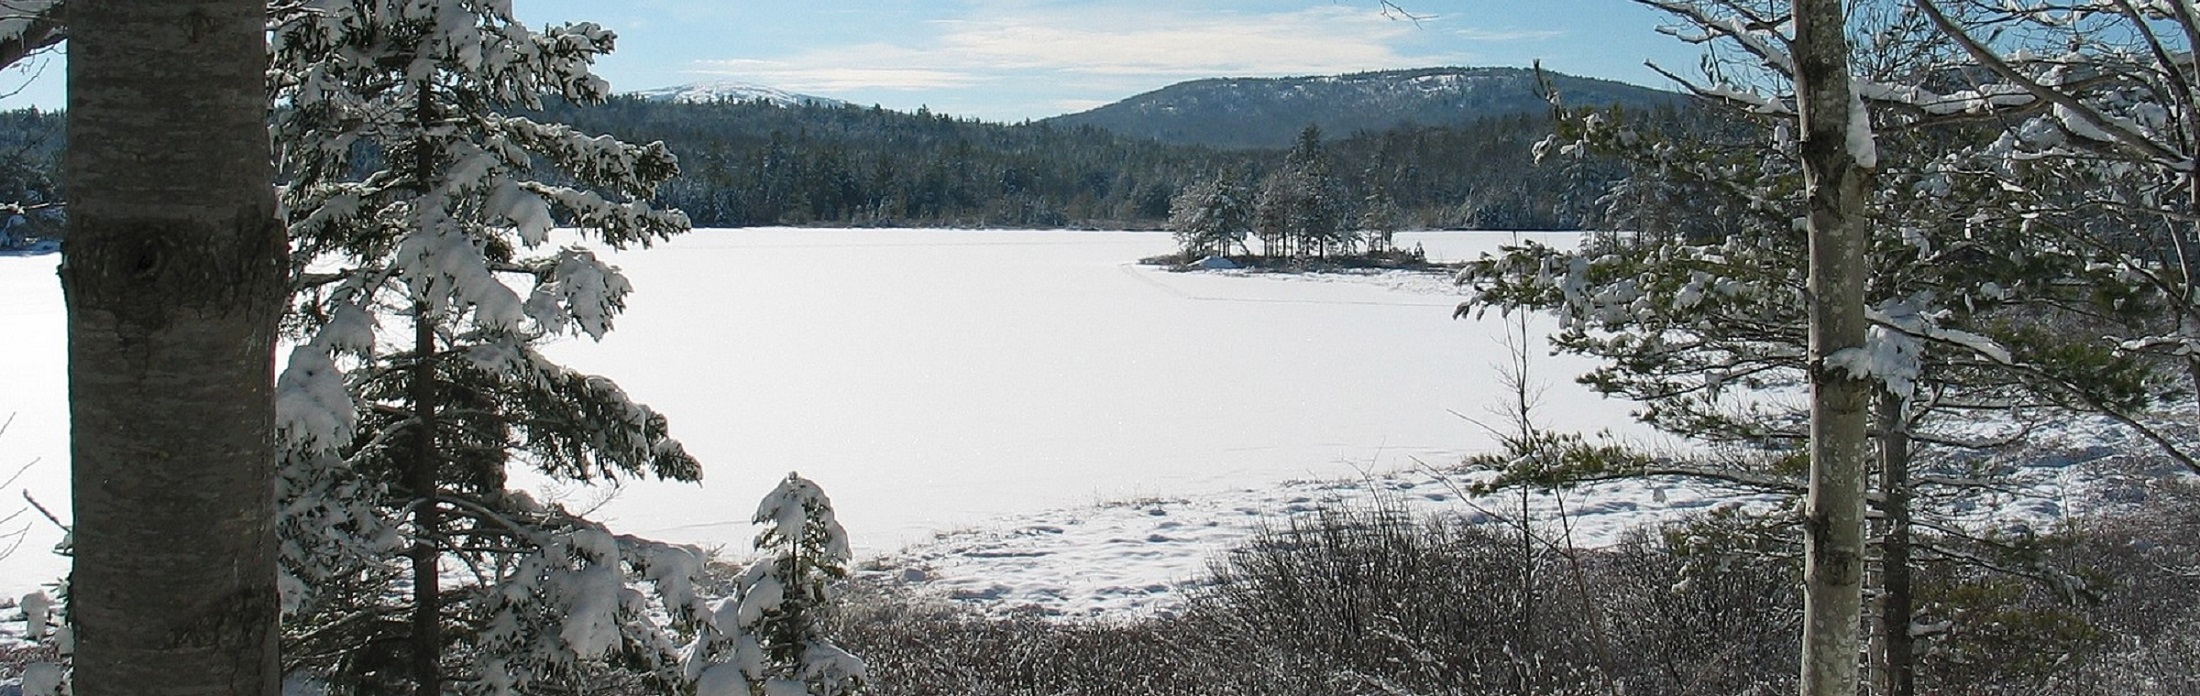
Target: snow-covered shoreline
(1131, 558)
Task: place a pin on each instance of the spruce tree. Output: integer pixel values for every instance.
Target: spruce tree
(419, 200)
(1379, 221)
(1299, 210)
(767, 640)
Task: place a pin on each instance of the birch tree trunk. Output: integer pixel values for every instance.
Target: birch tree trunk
(174, 272)
(1834, 183)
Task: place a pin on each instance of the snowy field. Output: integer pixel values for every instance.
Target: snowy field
(1019, 417)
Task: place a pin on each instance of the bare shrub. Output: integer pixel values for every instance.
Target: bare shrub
(2143, 586)
(1370, 595)
(1369, 600)
(919, 646)
(1702, 607)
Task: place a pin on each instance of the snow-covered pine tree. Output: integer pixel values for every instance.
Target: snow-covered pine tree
(768, 641)
(2099, 123)
(1299, 210)
(1271, 216)
(1210, 217)
(417, 201)
(1318, 213)
(1706, 328)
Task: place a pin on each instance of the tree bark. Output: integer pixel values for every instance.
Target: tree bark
(174, 273)
(425, 478)
(1834, 185)
(1897, 659)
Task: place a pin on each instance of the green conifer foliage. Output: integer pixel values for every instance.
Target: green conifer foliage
(418, 202)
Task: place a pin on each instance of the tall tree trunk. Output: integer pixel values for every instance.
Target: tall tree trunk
(1897, 658)
(174, 272)
(425, 480)
(426, 476)
(1840, 402)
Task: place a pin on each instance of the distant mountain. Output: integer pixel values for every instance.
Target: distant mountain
(731, 91)
(1269, 112)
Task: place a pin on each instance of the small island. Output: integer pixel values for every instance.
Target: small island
(1302, 216)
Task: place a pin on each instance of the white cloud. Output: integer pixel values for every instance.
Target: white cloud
(838, 76)
(1478, 34)
(1147, 41)
(1104, 39)
(1010, 59)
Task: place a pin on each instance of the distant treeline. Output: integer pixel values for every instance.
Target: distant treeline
(760, 164)
(748, 164)
(30, 156)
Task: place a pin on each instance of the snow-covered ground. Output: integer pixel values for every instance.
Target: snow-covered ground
(1018, 417)
(1137, 557)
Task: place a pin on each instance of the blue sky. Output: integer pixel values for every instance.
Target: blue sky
(1009, 60)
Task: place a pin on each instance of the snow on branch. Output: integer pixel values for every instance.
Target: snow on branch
(576, 290)
(2081, 119)
(1753, 34)
(1894, 348)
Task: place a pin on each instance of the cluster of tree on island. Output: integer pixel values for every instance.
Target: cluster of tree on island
(1298, 211)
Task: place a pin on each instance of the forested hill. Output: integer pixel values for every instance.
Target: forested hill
(1268, 112)
(761, 164)
(797, 162)
(756, 163)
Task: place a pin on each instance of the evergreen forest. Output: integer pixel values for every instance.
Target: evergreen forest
(747, 164)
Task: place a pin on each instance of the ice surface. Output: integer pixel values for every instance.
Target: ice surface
(935, 380)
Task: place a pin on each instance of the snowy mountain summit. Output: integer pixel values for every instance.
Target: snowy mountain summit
(733, 91)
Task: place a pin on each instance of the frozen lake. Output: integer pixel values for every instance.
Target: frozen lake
(932, 380)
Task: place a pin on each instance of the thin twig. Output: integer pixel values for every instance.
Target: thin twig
(50, 517)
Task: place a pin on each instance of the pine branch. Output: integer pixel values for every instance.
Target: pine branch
(2139, 144)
